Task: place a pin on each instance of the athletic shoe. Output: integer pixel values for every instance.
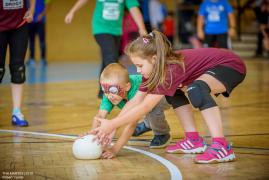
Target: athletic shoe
(18, 120)
(216, 153)
(188, 146)
(43, 62)
(30, 62)
(160, 141)
(141, 129)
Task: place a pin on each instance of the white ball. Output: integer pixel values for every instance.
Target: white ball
(84, 148)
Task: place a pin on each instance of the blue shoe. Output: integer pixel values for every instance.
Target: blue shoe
(141, 129)
(18, 120)
(30, 62)
(43, 62)
(160, 141)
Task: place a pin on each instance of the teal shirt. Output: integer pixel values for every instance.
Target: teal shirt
(135, 81)
(108, 15)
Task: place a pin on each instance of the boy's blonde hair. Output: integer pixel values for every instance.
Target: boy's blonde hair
(156, 44)
(115, 73)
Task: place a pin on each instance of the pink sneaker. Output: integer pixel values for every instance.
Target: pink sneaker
(216, 153)
(187, 146)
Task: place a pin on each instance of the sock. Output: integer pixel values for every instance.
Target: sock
(220, 140)
(192, 135)
(16, 111)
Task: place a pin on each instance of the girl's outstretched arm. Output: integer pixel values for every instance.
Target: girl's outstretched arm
(137, 99)
(130, 115)
(123, 139)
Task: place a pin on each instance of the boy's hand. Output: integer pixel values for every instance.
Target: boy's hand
(83, 134)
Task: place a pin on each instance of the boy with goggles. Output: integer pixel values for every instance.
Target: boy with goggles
(118, 88)
(113, 89)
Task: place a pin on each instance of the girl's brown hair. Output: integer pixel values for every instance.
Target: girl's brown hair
(156, 44)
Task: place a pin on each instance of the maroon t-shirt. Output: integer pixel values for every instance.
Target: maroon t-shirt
(197, 62)
(11, 14)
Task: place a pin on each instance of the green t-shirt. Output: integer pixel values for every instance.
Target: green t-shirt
(108, 14)
(135, 81)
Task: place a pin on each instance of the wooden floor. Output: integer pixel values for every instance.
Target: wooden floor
(68, 107)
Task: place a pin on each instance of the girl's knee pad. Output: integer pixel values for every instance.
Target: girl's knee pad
(17, 74)
(179, 99)
(199, 95)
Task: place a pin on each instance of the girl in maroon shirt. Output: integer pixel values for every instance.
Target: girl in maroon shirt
(195, 72)
(14, 33)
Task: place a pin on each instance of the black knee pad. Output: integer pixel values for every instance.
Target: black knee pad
(199, 95)
(17, 74)
(2, 72)
(179, 99)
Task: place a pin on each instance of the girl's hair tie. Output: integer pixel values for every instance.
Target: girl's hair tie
(145, 40)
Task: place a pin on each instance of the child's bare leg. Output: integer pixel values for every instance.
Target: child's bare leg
(17, 90)
(213, 120)
(17, 117)
(192, 143)
(185, 116)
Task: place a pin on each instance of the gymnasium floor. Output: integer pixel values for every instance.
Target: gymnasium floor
(60, 101)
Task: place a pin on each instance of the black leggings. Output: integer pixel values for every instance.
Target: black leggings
(37, 29)
(17, 39)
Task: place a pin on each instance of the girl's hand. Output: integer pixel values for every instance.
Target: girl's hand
(106, 140)
(108, 154)
(68, 18)
(103, 131)
(28, 16)
(109, 138)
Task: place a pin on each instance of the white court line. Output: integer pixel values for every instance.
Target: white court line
(174, 171)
